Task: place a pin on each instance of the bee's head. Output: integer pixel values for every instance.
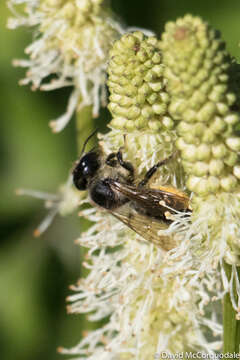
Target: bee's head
(85, 169)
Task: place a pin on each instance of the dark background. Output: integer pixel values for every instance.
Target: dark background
(35, 273)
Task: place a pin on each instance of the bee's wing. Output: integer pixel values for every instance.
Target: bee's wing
(145, 226)
(155, 202)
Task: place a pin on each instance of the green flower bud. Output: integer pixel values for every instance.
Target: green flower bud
(218, 125)
(192, 182)
(219, 151)
(203, 152)
(202, 187)
(231, 119)
(189, 153)
(216, 167)
(213, 183)
(236, 171)
(208, 137)
(231, 158)
(200, 168)
(168, 122)
(228, 183)
(233, 143)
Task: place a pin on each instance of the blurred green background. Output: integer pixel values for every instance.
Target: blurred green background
(35, 273)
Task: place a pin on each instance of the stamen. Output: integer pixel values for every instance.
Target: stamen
(37, 194)
(62, 121)
(46, 222)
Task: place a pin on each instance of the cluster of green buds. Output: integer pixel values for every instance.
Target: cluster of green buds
(199, 74)
(138, 96)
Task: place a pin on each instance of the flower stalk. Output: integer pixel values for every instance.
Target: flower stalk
(231, 325)
(84, 126)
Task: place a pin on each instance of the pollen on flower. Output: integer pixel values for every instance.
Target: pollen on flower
(74, 38)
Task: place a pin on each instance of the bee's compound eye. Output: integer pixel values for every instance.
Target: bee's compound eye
(85, 170)
(89, 164)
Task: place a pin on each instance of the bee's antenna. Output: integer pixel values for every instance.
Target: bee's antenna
(87, 140)
(125, 139)
(93, 149)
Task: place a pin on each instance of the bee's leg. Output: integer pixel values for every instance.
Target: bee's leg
(111, 160)
(153, 169)
(125, 164)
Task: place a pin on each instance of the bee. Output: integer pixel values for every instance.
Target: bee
(112, 186)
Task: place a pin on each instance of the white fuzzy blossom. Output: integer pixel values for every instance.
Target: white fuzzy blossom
(210, 244)
(71, 43)
(152, 307)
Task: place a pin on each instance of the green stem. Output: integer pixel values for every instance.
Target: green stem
(231, 326)
(84, 126)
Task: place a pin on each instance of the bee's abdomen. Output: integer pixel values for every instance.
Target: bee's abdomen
(103, 195)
